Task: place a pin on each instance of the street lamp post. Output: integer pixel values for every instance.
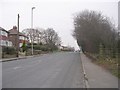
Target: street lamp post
(32, 27)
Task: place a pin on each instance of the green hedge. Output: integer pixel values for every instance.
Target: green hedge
(43, 47)
(8, 50)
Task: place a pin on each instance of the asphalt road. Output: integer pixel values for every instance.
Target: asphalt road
(57, 70)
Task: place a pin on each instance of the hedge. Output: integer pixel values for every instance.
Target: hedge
(8, 50)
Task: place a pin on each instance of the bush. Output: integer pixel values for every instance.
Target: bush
(43, 47)
(24, 47)
(35, 52)
(36, 47)
(8, 50)
(29, 52)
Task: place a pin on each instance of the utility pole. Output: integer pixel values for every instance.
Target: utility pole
(18, 36)
(118, 34)
(32, 27)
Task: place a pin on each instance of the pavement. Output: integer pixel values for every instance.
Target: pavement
(11, 59)
(18, 58)
(96, 76)
(57, 70)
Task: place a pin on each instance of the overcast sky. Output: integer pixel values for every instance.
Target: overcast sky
(56, 14)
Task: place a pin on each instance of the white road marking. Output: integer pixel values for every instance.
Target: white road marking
(26, 66)
(16, 68)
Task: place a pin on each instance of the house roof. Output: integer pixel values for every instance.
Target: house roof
(15, 31)
(3, 29)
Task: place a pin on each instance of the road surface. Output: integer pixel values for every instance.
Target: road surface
(57, 70)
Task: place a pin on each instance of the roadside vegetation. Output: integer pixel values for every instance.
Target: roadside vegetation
(98, 38)
(44, 41)
(8, 52)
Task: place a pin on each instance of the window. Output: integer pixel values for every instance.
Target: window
(9, 43)
(26, 39)
(3, 43)
(21, 37)
(0, 32)
(20, 45)
(4, 33)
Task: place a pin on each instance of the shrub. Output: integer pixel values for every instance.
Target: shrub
(36, 47)
(43, 47)
(24, 47)
(8, 50)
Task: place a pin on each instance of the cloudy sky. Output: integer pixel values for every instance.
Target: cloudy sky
(56, 14)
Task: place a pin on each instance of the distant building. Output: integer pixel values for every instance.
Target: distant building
(4, 38)
(67, 48)
(13, 37)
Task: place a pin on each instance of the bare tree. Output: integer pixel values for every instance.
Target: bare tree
(51, 37)
(40, 35)
(29, 32)
(34, 34)
(93, 29)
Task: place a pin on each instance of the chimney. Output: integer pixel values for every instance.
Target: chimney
(14, 27)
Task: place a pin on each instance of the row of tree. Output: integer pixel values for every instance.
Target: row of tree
(94, 31)
(41, 36)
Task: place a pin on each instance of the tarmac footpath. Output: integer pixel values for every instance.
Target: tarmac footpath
(96, 76)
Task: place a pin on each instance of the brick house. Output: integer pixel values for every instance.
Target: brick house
(4, 38)
(13, 37)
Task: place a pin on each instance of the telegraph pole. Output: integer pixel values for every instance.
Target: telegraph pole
(18, 36)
